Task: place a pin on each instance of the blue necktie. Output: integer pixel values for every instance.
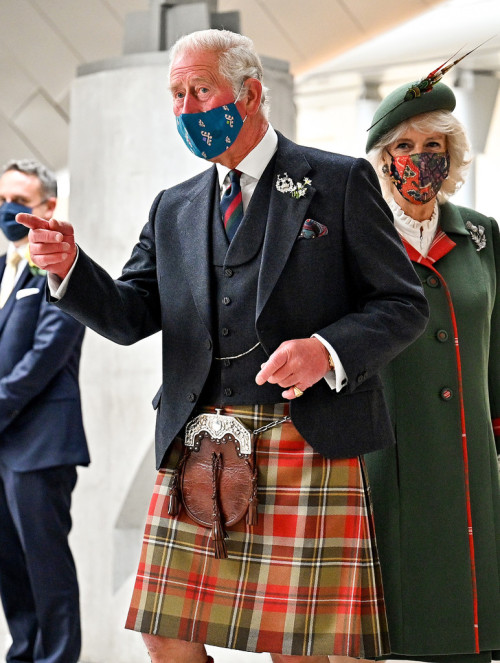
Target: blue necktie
(231, 205)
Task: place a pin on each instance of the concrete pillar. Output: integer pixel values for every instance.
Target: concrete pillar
(367, 103)
(476, 93)
(124, 149)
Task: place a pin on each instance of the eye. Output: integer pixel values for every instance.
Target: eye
(178, 94)
(403, 145)
(434, 144)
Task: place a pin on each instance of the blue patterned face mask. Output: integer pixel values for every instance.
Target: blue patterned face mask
(13, 230)
(210, 133)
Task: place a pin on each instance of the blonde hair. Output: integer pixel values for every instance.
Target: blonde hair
(439, 121)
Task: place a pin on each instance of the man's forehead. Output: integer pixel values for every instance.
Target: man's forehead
(195, 65)
(18, 182)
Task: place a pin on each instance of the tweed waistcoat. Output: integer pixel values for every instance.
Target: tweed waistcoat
(234, 277)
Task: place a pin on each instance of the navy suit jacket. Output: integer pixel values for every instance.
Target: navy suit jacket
(40, 412)
(355, 286)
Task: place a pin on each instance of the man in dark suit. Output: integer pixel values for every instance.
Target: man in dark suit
(41, 437)
(278, 281)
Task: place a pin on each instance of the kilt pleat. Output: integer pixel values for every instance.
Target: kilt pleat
(305, 580)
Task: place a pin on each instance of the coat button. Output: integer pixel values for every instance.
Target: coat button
(446, 394)
(226, 301)
(228, 391)
(432, 281)
(228, 272)
(442, 335)
(191, 397)
(225, 331)
(209, 344)
(227, 362)
(361, 377)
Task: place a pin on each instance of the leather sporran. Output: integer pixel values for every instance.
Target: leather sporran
(216, 477)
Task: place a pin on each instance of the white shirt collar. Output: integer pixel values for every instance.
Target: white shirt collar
(254, 164)
(420, 234)
(22, 249)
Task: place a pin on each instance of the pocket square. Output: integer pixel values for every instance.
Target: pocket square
(312, 229)
(27, 292)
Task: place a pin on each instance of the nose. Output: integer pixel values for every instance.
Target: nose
(190, 104)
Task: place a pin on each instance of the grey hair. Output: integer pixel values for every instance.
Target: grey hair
(48, 181)
(458, 146)
(238, 59)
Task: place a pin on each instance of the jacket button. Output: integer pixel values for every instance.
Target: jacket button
(361, 377)
(226, 301)
(209, 344)
(446, 394)
(225, 331)
(228, 272)
(191, 397)
(432, 281)
(227, 362)
(442, 335)
(228, 391)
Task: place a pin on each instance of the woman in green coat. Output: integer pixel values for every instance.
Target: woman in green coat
(436, 493)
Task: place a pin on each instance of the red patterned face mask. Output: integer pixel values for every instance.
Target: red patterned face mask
(418, 177)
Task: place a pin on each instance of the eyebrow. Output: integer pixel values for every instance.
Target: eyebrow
(196, 80)
(412, 140)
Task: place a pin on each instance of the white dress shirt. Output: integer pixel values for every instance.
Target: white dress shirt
(9, 280)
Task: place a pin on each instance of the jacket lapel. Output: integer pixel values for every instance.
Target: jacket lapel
(451, 221)
(193, 226)
(285, 218)
(20, 283)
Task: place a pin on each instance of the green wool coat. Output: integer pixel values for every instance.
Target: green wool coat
(442, 478)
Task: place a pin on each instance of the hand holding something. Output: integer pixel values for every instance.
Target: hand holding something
(299, 363)
(51, 243)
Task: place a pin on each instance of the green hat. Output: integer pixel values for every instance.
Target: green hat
(405, 102)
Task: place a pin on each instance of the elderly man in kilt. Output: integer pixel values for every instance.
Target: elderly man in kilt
(281, 289)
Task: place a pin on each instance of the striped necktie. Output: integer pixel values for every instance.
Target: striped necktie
(231, 205)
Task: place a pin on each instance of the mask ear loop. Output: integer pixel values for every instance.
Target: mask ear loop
(385, 168)
(237, 96)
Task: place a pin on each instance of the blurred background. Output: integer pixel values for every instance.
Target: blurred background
(83, 88)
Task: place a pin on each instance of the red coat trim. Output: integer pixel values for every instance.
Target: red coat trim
(496, 426)
(442, 245)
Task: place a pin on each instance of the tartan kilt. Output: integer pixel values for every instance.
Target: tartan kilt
(305, 580)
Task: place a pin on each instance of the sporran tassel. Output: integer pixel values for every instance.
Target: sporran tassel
(253, 503)
(218, 533)
(173, 493)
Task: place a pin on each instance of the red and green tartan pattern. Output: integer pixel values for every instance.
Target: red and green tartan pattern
(305, 580)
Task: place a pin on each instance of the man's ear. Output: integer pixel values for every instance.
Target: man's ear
(253, 96)
(51, 205)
